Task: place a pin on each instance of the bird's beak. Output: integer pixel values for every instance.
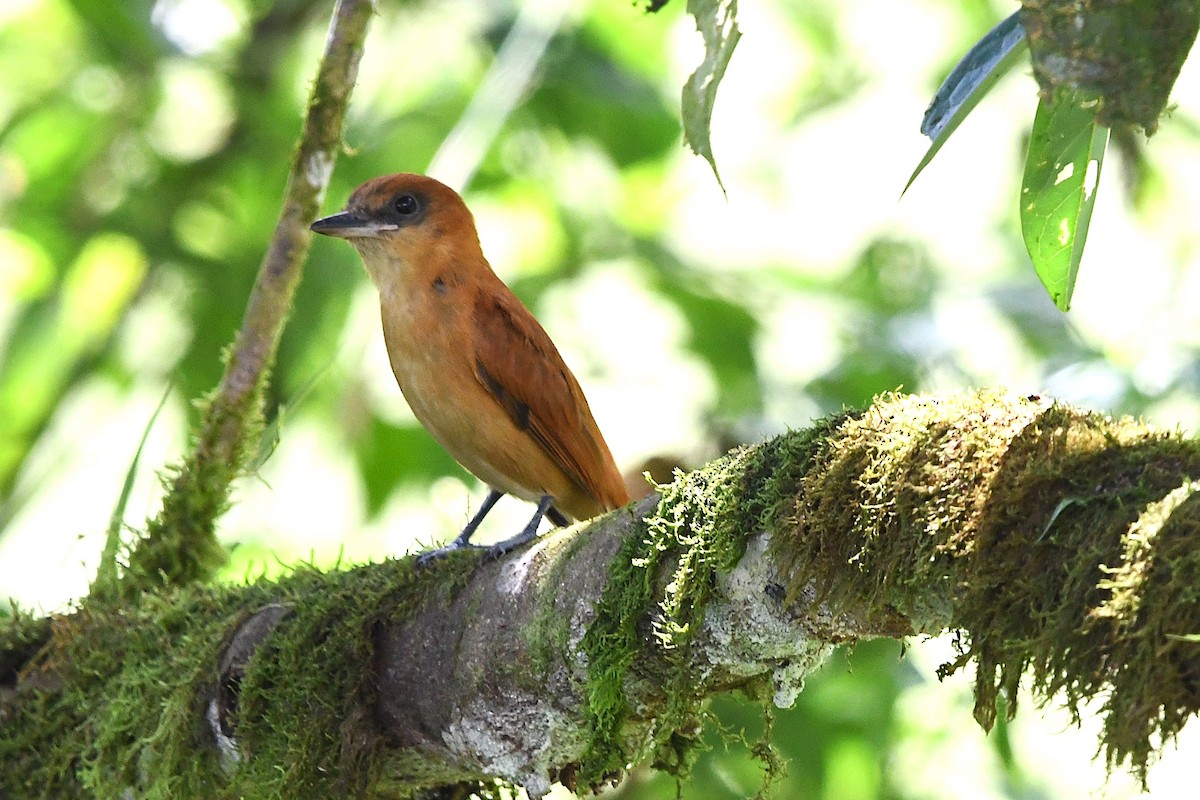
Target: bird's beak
(349, 225)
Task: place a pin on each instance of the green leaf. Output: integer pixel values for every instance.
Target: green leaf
(1062, 170)
(971, 79)
(717, 22)
(106, 573)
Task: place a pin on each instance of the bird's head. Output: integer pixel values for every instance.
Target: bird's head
(404, 223)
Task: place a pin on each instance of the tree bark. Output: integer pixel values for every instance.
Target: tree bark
(1059, 543)
(1127, 53)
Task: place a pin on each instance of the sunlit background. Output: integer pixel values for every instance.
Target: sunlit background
(143, 149)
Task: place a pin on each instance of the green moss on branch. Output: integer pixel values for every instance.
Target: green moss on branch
(1023, 524)
(1060, 543)
(115, 701)
(660, 583)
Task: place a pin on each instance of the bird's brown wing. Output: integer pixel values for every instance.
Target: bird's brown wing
(520, 367)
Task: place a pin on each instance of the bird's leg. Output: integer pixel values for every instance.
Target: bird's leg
(500, 548)
(557, 517)
(464, 538)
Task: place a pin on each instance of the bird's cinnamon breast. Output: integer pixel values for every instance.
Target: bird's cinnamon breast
(437, 375)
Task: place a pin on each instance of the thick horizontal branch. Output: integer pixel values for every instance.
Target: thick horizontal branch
(1059, 542)
(1127, 52)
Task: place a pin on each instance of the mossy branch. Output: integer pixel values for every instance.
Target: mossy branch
(1060, 544)
(179, 545)
(1127, 52)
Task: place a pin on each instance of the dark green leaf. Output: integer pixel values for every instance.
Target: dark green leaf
(971, 79)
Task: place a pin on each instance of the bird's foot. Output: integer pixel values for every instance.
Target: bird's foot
(500, 548)
(489, 551)
(528, 534)
(425, 559)
(508, 545)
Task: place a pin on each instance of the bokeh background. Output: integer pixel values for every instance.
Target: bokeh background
(143, 150)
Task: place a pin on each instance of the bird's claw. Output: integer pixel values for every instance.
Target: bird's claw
(425, 559)
(490, 552)
(510, 544)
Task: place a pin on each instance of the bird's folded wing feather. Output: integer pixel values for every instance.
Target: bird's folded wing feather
(519, 365)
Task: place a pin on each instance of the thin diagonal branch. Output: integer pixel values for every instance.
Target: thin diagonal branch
(180, 545)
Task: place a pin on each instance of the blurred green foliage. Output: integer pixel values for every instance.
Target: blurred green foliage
(143, 149)
(834, 741)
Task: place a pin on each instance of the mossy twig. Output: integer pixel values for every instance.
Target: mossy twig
(179, 545)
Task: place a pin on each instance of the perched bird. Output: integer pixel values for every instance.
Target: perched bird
(477, 369)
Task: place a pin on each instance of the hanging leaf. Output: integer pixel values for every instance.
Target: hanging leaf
(971, 79)
(717, 22)
(1062, 169)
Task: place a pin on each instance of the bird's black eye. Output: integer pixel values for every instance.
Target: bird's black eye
(407, 205)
